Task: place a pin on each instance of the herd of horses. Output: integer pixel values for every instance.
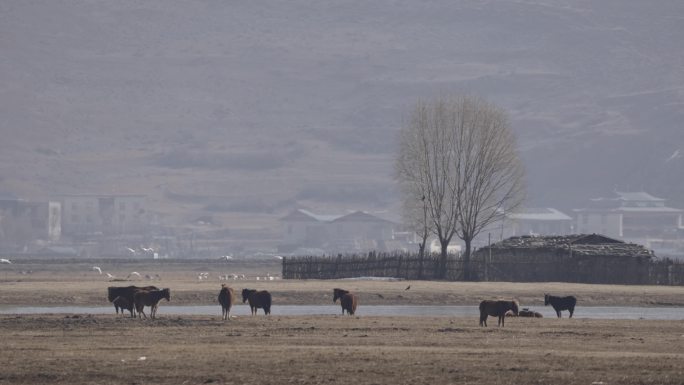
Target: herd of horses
(134, 299)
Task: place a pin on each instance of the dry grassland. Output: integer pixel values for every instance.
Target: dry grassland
(105, 349)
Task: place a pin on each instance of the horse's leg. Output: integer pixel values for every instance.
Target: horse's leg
(572, 310)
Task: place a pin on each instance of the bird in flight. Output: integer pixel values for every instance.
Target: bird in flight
(408, 287)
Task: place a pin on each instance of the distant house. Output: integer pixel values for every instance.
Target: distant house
(634, 216)
(353, 232)
(23, 222)
(539, 221)
(89, 214)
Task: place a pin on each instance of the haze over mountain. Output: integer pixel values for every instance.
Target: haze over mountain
(244, 110)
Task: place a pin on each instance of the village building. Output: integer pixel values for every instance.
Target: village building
(637, 217)
(24, 223)
(588, 258)
(539, 221)
(87, 215)
(353, 232)
(526, 221)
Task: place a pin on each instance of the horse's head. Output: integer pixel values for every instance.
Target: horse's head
(246, 293)
(546, 299)
(166, 294)
(514, 307)
(111, 294)
(338, 293)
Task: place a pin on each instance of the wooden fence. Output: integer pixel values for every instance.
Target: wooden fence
(399, 265)
(548, 268)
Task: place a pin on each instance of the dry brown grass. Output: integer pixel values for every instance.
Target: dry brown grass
(338, 349)
(105, 349)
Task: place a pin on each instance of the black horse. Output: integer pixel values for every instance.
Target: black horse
(257, 299)
(561, 303)
(347, 299)
(122, 297)
(226, 300)
(496, 309)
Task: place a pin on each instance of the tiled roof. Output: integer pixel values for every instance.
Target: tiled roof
(540, 214)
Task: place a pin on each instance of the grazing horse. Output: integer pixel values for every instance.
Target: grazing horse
(226, 299)
(150, 298)
(561, 303)
(125, 293)
(347, 299)
(496, 309)
(257, 299)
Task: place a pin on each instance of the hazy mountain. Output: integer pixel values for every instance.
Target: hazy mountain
(247, 109)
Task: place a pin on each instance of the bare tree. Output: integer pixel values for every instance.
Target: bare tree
(463, 154)
(415, 217)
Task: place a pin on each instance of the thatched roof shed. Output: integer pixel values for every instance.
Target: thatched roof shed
(574, 245)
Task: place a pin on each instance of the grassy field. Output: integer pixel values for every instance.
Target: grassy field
(106, 349)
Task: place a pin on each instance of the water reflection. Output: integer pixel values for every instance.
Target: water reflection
(596, 312)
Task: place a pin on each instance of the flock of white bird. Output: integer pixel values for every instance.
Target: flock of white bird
(129, 276)
(236, 277)
(200, 277)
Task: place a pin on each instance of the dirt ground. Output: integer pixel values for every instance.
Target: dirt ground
(106, 349)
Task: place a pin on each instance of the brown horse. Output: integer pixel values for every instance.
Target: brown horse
(226, 299)
(125, 295)
(257, 299)
(150, 298)
(348, 300)
(496, 309)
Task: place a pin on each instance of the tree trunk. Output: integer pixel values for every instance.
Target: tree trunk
(467, 274)
(421, 256)
(444, 243)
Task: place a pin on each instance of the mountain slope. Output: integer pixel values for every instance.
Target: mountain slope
(246, 110)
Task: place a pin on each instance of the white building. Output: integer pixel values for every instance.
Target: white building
(539, 221)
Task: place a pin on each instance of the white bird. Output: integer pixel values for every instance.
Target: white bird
(133, 273)
(132, 251)
(97, 268)
(227, 257)
(4, 260)
(674, 156)
(278, 257)
(110, 276)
